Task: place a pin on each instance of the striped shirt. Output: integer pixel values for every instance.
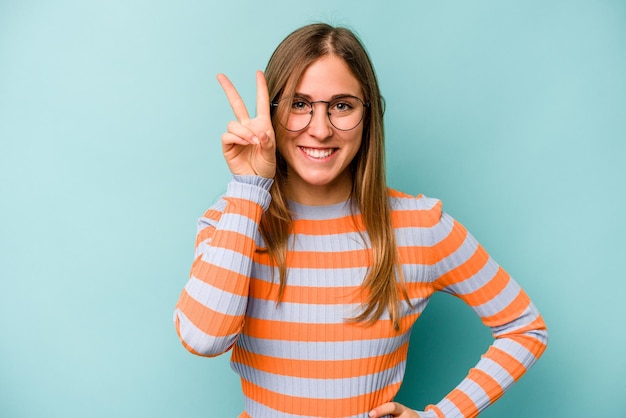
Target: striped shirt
(302, 358)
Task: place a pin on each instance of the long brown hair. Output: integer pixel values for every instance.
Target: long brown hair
(384, 282)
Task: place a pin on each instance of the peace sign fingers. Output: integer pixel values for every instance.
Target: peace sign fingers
(249, 143)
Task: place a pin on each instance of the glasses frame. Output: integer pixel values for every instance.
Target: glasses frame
(275, 104)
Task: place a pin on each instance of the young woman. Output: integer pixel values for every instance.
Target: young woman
(313, 272)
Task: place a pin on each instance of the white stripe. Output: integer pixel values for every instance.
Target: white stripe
(475, 392)
(516, 350)
(323, 351)
(449, 409)
(228, 259)
(314, 313)
(478, 280)
(329, 243)
(199, 341)
(301, 313)
(322, 278)
(493, 369)
(214, 298)
(461, 255)
(500, 302)
(258, 410)
(413, 203)
(237, 223)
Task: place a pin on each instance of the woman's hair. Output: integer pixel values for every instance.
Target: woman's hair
(383, 284)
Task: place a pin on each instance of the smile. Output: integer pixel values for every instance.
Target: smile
(318, 153)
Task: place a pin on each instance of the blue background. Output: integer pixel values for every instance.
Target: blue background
(513, 113)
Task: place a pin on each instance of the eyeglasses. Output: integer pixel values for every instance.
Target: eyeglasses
(344, 112)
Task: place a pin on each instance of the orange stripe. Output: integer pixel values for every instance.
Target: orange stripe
(206, 319)
(398, 194)
(490, 385)
(510, 312)
(361, 257)
(335, 259)
(489, 290)
(537, 324)
(419, 290)
(204, 234)
(215, 215)
(345, 331)
(262, 257)
(414, 255)
(212, 214)
(431, 216)
(235, 241)
(320, 369)
(227, 280)
(411, 218)
(435, 410)
(311, 259)
(243, 207)
(529, 342)
(341, 407)
(451, 243)
(506, 361)
(463, 402)
(260, 289)
(470, 267)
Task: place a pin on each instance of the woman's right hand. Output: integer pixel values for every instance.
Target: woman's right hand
(249, 145)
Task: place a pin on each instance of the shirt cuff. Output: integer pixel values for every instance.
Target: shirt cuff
(253, 188)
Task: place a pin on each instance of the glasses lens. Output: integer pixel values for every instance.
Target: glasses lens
(345, 113)
(294, 114)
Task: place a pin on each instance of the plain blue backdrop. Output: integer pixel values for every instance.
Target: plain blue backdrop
(513, 113)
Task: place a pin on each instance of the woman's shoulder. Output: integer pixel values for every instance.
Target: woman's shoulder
(427, 210)
(404, 201)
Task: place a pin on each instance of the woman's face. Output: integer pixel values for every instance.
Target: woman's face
(319, 156)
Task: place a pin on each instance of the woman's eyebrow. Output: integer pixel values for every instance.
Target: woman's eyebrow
(336, 96)
(302, 95)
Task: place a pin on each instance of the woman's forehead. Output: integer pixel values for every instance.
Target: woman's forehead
(328, 76)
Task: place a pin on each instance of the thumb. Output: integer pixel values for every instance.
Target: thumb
(266, 141)
(389, 408)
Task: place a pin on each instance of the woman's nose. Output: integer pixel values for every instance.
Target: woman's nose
(320, 125)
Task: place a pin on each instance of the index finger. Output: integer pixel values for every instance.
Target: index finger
(262, 96)
(234, 99)
(388, 408)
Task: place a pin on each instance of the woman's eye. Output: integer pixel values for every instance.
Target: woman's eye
(299, 106)
(342, 106)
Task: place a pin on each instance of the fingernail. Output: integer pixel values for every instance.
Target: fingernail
(255, 140)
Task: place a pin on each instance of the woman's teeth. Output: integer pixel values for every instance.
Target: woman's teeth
(318, 153)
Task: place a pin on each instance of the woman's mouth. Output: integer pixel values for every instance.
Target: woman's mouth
(317, 153)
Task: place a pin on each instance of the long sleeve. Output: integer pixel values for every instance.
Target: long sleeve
(210, 312)
(461, 267)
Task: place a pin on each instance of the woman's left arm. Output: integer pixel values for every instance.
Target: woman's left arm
(461, 267)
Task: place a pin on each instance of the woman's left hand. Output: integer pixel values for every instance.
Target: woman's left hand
(394, 409)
